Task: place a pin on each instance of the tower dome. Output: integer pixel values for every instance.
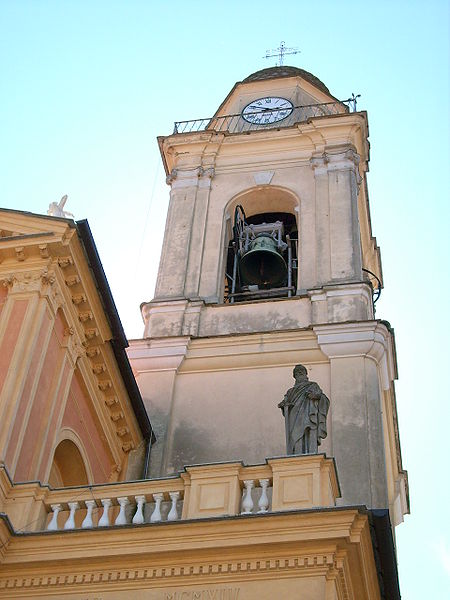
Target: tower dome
(286, 71)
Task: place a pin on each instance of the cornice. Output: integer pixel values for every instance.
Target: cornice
(370, 339)
(317, 134)
(205, 573)
(223, 535)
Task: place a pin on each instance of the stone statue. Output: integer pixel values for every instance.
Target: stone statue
(56, 209)
(305, 409)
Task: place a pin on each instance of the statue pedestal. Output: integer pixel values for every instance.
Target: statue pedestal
(303, 481)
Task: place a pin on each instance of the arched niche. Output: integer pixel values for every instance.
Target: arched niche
(261, 205)
(68, 466)
(264, 199)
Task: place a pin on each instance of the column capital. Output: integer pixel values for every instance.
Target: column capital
(42, 281)
(335, 160)
(182, 178)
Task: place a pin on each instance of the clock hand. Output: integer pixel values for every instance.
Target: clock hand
(265, 108)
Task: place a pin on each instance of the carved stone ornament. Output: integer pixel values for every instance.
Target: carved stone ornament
(85, 316)
(8, 281)
(92, 352)
(20, 253)
(111, 401)
(305, 408)
(117, 416)
(48, 277)
(105, 385)
(29, 281)
(171, 176)
(74, 347)
(127, 446)
(123, 431)
(65, 261)
(43, 250)
(91, 333)
(78, 299)
(72, 280)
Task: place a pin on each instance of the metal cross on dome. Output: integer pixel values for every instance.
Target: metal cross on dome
(281, 52)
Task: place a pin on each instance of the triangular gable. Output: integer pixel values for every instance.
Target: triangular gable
(17, 224)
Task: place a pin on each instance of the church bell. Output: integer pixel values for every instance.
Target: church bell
(263, 264)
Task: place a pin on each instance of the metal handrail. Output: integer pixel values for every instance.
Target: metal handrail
(272, 118)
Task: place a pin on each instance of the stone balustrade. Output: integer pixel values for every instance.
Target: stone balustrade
(200, 491)
(128, 511)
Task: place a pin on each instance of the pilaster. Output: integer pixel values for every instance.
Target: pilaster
(196, 250)
(182, 252)
(33, 291)
(361, 366)
(338, 244)
(155, 365)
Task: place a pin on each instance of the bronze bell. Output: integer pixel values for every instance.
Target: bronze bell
(263, 265)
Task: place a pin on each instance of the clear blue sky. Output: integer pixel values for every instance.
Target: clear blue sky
(86, 87)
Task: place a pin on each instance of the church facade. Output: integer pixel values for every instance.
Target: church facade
(268, 261)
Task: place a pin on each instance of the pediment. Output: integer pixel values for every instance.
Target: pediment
(16, 224)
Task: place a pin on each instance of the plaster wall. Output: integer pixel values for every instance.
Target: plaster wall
(218, 401)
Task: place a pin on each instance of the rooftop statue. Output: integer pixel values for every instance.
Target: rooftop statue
(56, 209)
(305, 409)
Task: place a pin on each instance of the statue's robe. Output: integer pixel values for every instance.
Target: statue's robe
(305, 409)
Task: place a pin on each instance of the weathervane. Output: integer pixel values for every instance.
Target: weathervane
(280, 52)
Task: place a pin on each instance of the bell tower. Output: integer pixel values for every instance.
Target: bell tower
(268, 261)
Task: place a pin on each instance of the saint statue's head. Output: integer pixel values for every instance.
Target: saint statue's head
(300, 372)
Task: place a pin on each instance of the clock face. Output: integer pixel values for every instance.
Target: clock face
(265, 111)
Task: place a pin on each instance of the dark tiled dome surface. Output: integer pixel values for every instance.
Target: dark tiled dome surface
(285, 71)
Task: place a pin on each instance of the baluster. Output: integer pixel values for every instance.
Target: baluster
(121, 517)
(139, 514)
(53, 524)
(247, 503)
(70, 523)
(104, 519)
(263, 502)
(156, 515)
(173, 513)
(87, 522)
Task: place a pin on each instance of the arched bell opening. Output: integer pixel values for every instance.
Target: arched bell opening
(68, 467)
(262, 250)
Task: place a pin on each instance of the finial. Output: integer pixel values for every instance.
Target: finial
(281, 52)
(56, 209)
